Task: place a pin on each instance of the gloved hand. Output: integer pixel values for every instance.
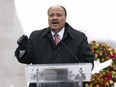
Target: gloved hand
(23, 42)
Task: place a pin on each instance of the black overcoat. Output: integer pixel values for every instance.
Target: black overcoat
(42, 49)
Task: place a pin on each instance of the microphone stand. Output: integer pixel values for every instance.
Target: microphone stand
(69, 50)
(80, 82)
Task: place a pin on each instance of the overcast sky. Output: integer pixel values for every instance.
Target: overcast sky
(96, 18)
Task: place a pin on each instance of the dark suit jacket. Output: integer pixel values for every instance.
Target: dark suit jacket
(42, 49)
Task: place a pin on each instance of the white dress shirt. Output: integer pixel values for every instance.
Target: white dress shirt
(60, 34)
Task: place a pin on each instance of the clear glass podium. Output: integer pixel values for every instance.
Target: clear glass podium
(58, 74)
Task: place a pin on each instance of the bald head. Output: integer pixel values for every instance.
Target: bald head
(58, 6)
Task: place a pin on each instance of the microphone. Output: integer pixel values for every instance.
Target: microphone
(68, 48)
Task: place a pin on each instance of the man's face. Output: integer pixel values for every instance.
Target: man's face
(56, 18)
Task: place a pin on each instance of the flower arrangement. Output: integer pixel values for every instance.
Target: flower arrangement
(107, 76)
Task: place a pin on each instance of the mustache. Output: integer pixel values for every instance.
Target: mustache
(55, 22)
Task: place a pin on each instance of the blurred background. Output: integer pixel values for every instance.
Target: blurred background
(11, 72)
(96, 18)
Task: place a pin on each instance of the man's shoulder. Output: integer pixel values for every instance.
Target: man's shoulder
(78, 35)
(77, 32)
(39, 32)
(73, 30)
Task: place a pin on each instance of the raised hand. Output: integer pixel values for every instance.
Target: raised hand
(23, 42)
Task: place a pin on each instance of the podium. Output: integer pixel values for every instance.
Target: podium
(59, 73)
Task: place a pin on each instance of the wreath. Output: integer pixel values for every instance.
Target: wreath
(107, 76)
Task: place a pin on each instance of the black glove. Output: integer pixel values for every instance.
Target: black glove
(23, 42)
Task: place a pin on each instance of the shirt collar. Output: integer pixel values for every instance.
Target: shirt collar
(61, 33)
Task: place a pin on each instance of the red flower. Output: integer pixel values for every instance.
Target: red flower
(113, 56)
(109, 77)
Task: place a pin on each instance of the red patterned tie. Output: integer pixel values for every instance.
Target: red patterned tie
(56, 40)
